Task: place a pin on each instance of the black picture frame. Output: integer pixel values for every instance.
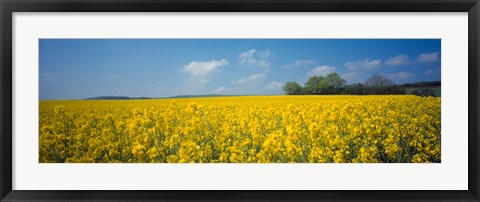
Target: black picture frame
(8, 7)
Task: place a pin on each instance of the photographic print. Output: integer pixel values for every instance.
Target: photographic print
(239, 100)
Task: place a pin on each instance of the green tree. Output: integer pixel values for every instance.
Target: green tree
(316, 85)
(335, 83)
(292, 88)
(330, 84)
(355, 89)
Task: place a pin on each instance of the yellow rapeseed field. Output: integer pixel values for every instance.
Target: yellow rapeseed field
(247, 129)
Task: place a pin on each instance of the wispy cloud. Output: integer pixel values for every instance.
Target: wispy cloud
(398, 60)
(432, 71)
(356, 76)
(200, 71)
(254, 78)
(401, 77)
(429, 57)
(352, 77)
(321, 71)
(220, 89)
(255, 58)
(274, 85)
(364, 64)
(299, 63)
(203, 69)
(47, 76)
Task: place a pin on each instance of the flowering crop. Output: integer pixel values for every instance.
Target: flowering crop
(243, 129)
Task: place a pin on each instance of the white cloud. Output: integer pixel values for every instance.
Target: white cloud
(246, 58)
(254, 58)
(202, 69)
(321, 71)
(365, 64)
(274, 85)
(351, 77)
(398, 60)
(401, 77)
(264, 54)
(299, 63)
(356, 77)
(254, 78)
(429, 57)
(220, 90)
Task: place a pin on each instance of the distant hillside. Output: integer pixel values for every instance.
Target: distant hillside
(424, 88)
(423, 84)
(138, 98)
(410, 88)
(116, 98)
(196, 96)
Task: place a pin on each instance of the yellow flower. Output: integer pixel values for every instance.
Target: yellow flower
(243, 129)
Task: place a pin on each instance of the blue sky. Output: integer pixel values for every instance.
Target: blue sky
(82, 68)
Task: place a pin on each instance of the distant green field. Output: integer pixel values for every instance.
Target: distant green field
(436, 90)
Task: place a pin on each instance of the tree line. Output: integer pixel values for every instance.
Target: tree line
(333, 84)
